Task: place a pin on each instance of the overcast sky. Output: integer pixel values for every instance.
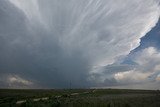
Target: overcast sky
(80, 44)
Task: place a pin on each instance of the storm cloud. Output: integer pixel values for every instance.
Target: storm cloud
(55, 43)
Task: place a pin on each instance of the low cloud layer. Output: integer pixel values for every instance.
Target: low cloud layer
(54, 43)
(144, 73)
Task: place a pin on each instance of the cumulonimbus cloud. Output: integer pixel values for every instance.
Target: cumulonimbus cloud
(58, 42)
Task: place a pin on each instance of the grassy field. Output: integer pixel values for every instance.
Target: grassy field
(79, 98)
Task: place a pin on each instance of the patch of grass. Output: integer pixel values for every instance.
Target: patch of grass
(84, 98)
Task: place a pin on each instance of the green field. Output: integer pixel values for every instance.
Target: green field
(79, 98)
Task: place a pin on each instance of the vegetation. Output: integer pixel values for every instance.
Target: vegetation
(79, 98)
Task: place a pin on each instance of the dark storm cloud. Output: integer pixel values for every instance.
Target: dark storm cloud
(53, 44)
(42, 59)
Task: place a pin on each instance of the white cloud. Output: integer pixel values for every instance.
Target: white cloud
(158, 78)
(101, 30)
(15, 81)
(157, 68)
(148, 62)
(145, 71)
(149, 56)
(131, 77)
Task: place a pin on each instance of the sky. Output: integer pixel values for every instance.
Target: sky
(80, 44)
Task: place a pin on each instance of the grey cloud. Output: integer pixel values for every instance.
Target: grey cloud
(146, 71)
(54, 43)
(106, 75)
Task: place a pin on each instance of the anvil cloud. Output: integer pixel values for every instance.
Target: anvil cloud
(52, 43)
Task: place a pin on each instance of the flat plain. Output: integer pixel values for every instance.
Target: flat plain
(79, 98)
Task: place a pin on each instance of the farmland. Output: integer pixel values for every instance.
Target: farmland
(79, 98)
